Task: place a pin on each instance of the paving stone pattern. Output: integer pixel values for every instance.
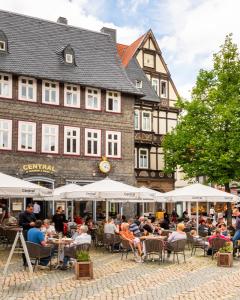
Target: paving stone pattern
(198, 278)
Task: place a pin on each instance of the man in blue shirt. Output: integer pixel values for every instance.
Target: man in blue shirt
(34, 235)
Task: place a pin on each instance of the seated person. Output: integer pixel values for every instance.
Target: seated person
(177, 235)
(110, 227)
(133, 227)
(216, 234)
(224, 230)
(82, 238)
(47, 228)
(203, 228)
(35, 235)
(200, 241)
(128, 235)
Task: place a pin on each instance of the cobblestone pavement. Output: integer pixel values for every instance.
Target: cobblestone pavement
(198, 278)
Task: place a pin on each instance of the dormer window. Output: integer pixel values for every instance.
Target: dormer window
(3, 42)
(68, 55)
(69, 58)
(2, 46)
(138, 84)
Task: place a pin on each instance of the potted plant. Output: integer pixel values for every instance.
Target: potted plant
(225, 255)
(83, 265)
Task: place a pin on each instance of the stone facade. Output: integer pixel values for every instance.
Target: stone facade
(68, 167)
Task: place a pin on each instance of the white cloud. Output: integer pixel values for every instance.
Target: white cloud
(78, 12)
(196, 32)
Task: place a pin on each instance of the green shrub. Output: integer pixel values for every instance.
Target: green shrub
(82, 256)
(228, 248)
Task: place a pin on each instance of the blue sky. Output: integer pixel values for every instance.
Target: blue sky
(188, 31)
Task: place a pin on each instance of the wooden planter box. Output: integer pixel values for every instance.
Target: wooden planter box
(84, 270)
(224, 259)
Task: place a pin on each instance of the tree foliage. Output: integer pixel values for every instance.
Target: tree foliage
(206, 141)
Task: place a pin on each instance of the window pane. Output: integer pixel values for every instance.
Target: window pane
(115, 149)
(89, 148)
(110, 104)
(95, 147)
(74, 145)
(24, 91)
(68, 145)
(109, 148)
(46, 95)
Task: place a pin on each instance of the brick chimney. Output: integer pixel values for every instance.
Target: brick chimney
(112, 32)
(62, 20)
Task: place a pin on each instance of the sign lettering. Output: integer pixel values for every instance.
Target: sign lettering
(38, 168)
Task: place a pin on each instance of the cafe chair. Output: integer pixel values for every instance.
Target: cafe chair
(36, 252)
(154, 246)
(126, 247)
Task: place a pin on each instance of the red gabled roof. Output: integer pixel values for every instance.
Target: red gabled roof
(127, 52)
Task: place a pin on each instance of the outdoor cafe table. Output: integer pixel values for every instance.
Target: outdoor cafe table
(60, 243)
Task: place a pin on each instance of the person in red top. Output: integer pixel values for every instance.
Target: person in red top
(217, 234)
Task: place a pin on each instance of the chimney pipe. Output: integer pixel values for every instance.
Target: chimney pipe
(62, 20)
(112, 32)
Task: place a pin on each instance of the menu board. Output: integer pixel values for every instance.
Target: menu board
(16, 206)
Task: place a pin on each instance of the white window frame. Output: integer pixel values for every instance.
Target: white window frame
(2, 82)
(118, 142)
(56, 138)
(27, 85)
(163, 95)
(139, 158)
(150, 120)
(138, 84)
(56, 89)
(69, 58)
(4, 45)
(77, 129)
(137, 112)
(9, 133)
(135, 157)
(116, 98)
(20, 124)
(157, 85)
(97, 94)
(99, 141)
(77, 93)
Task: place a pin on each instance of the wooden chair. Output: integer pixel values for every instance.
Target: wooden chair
(37, 252)
(126, 247)
(177, 247)
(110, 240)
(154, 246)
(216, 244)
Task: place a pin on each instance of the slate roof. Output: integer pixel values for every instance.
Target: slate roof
(135, 72)
(34, 45)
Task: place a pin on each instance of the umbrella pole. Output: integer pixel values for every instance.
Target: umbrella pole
(107, 209)
(197, 217)
(143, 211)
(95, 211)
(121, 209)
(72, 212)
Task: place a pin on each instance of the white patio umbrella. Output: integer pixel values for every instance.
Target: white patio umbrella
(12, 187)
(59, 194)
(198, 193)
(110, 190)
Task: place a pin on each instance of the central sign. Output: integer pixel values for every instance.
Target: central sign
(38, 168)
